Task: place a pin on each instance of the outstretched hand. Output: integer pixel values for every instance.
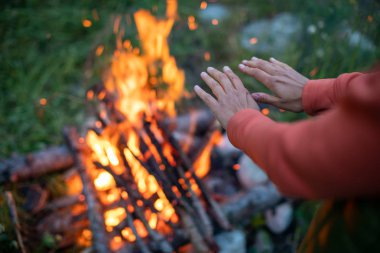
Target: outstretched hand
(285, 83)
(231, 95)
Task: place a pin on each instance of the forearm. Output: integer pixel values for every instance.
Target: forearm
(322, 94)
(334, 155)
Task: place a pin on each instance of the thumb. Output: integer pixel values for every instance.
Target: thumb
(265, 98)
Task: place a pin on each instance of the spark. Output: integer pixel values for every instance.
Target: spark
(86, 23)
(253, 40)
(203, 5)
(265, 111)
(43, 101)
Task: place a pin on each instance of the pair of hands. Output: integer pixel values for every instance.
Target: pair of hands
(231, 96)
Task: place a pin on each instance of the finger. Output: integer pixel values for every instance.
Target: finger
(214, 85)
(279, 63)
(221, 78)
(260, 75)
(209, 100)
(260, 64)
(266, 98)
(235, 80)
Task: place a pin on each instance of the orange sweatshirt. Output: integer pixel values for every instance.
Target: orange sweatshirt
(333, 155)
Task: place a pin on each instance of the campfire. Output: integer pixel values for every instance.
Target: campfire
(134, 167)
(138, 179)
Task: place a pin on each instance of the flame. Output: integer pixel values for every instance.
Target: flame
(202, 164)
(139, 82)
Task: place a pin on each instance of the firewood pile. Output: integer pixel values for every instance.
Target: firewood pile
(198, 215)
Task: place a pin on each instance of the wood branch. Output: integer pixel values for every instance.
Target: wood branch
(63, 202)
(35, 164)
(188, 166)
(100, 242)
(163, 245)
(189, 192)
(14, 218)
(239, 209)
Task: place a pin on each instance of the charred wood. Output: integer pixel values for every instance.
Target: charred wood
(35, 164)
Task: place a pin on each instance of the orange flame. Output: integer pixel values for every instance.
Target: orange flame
(138, 83)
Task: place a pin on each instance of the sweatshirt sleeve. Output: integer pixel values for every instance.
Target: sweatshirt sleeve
(322, 94)
(333, 155)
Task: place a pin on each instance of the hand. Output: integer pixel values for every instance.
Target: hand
(231, 95)
(285, 83)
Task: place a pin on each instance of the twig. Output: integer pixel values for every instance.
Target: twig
(14, 218)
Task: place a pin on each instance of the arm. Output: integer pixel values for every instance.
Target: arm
(333, 155)
(323, 94)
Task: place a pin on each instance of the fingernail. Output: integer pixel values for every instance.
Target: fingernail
(196, 87)
(255, 96)
(253, 58)
(226, 68)
(245, 61)
(241, 66)
(272, 59)
(203, 73)
(210, 68)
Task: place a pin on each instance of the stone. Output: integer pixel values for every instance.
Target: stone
(250, 174)
(231, 242)
(272, 36)
(279, 218)
(359, 40)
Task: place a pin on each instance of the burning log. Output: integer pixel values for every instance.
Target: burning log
(185, 161)
(169, 168)
(162, 244)
(58, 158)
(35, 164)
(99, 235)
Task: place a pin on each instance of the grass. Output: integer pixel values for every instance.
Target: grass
(46, 53)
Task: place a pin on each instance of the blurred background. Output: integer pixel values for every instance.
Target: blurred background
(52, 51)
